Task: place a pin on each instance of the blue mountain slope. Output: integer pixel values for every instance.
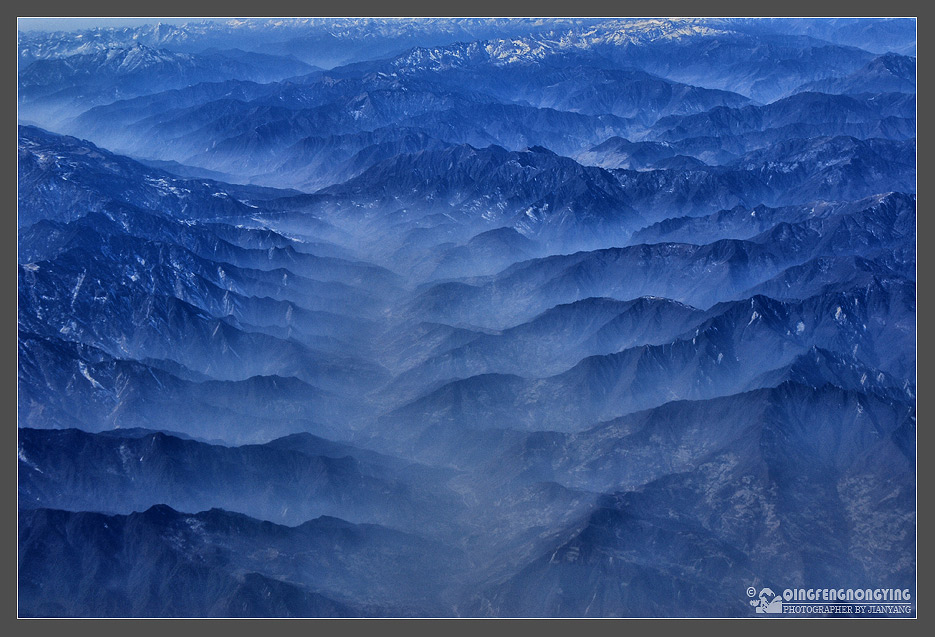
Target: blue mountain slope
(825, 114)
(54, 90)
(62, 177)
(627, 453)
(872, 326)
(888, 73)
(281, 482)
(742, 223)
(139, 68)
(306, 576)
(675, 49)
(66, 384)
(775, 502)
(248, 131)
(554, 340)
(589, 89)
(683, 272)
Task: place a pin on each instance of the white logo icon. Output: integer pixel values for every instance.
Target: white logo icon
(766, 602)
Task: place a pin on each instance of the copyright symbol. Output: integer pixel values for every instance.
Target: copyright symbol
(751, 592)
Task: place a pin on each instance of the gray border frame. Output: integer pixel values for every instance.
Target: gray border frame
(413, 8)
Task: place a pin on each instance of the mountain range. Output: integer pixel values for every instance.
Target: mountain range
(465, 317)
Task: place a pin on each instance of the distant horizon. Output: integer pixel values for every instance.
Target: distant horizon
(82, 24)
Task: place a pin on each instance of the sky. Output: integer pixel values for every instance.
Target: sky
(77, 24)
